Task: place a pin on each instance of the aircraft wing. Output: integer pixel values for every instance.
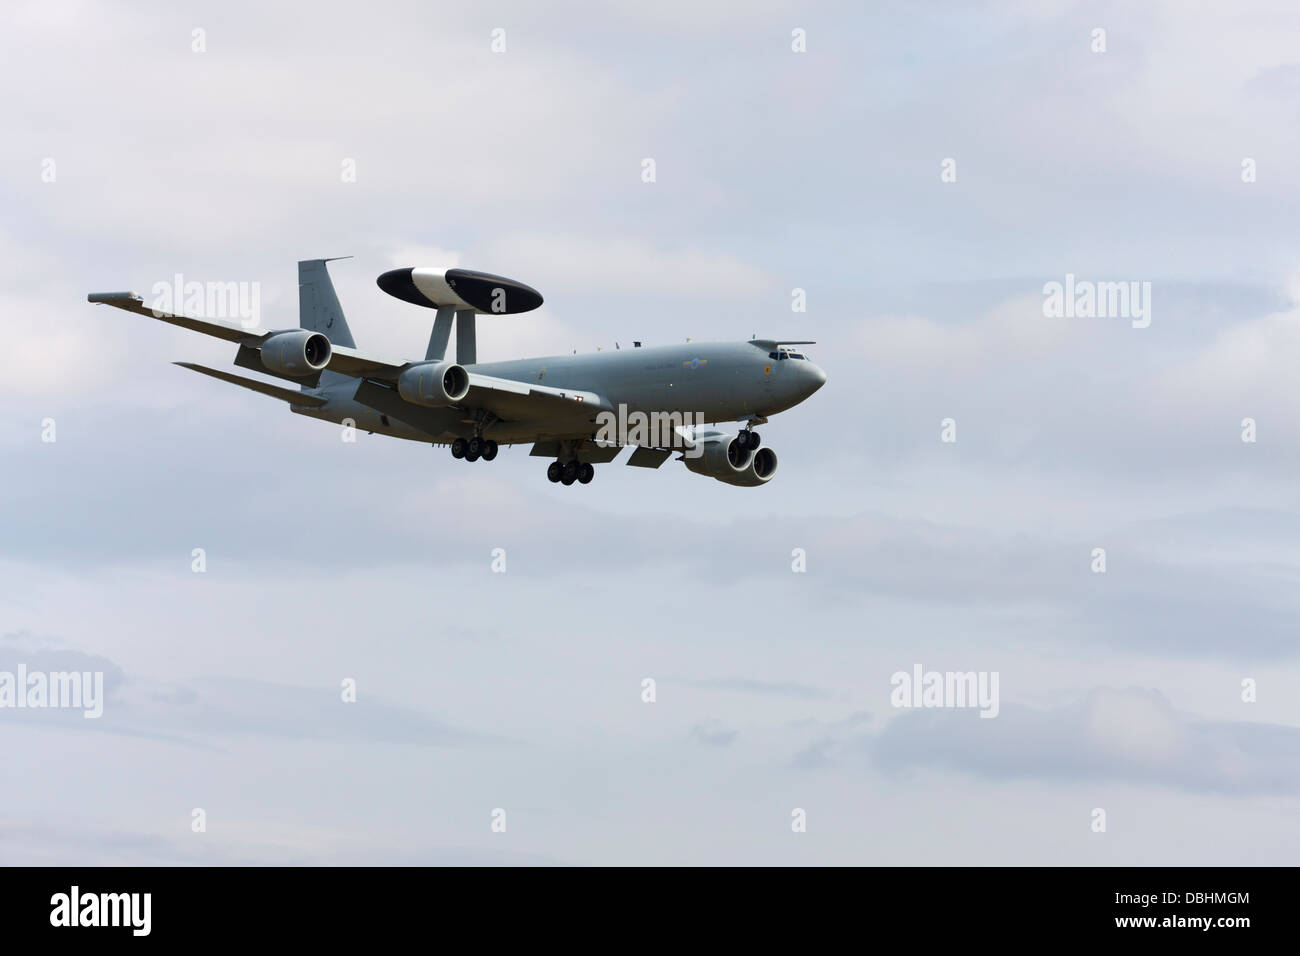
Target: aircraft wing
(358, 364)
(485, 391)
(511, 400)
(507, 399)
(131, 302)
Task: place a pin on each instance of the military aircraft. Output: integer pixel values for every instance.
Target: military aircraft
(562, 405)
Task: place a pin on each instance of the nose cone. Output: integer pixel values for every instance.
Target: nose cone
(814, 378)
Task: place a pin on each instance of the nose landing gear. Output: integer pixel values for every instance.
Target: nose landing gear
(748, 439)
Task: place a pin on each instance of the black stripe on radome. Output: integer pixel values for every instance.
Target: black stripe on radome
(399, 284)
(493, 294)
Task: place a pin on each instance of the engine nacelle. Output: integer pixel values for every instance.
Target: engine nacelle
(300, 352)
(720, 456)
(433, 384)
(762, 466)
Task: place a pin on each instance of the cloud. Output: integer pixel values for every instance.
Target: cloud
(204, 712)
(621, 265)
(780, 688)
(247, 845)
(1130, 735)
(713, 734)
(1248, 367)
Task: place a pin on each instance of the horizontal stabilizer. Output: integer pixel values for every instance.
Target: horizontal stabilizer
(289, 395)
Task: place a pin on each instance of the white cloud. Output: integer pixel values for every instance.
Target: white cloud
(620, 265)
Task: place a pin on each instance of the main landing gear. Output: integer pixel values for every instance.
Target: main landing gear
(474, 448)
(570, 471)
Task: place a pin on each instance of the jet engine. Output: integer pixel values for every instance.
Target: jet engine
(433, 384)
(762, 466)
(726, 458)
(299, 352)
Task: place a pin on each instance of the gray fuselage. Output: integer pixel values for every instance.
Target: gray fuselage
(718, 381)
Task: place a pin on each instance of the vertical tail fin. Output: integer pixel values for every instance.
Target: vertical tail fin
(318, 305)
(319, 310)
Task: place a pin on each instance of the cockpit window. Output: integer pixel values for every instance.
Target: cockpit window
(784, 354)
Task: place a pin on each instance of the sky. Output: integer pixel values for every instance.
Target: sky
(921, 172)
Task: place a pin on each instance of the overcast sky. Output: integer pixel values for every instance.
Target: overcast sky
(129, 157)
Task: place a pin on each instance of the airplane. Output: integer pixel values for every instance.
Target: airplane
(554, 403)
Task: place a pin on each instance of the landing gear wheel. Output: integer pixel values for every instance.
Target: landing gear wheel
(586, 473)
(458, 448)
(489, 449)
(754, 441)
(475, 448)
(570, 472)
(472, 455)
(554, 471)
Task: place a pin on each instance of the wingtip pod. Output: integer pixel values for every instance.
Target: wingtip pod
(460, 289)
(112, 298)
